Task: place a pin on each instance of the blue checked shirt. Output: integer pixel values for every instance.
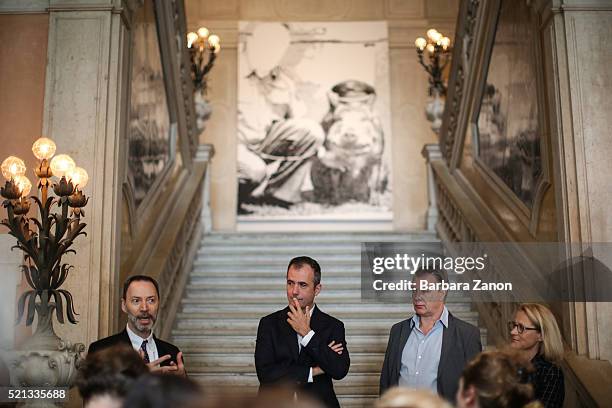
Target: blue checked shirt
(421, 355)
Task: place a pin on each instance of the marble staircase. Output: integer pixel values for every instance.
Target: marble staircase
(240, 277)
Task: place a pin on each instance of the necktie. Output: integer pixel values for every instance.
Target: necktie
(143, 347)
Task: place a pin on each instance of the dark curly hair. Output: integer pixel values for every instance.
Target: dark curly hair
(110, 371)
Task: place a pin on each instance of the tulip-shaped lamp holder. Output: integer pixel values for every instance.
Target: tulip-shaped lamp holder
(44, 241)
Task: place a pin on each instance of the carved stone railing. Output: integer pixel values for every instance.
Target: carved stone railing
(184, 232)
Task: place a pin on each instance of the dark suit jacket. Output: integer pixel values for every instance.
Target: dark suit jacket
(460, 343)
(278, 360)
(163, 347)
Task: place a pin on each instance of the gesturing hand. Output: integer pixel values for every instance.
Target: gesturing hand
(299, 321)
(180, 367)
(173, 368)
(337, 347)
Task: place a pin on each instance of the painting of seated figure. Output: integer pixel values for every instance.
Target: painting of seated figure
(313, 120)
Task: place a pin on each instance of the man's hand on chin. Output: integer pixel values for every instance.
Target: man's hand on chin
(299, 320)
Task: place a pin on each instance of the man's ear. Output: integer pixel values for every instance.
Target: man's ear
(317, 289)
(123, 307)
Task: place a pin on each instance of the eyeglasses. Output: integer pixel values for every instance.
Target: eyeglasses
(520, 327)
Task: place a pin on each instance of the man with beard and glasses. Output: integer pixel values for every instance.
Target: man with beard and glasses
(140, 301)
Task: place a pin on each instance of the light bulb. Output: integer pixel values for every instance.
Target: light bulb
(79, 177)
(430, 48)
(23, 184)
(12, 166)
(432, 34)
(214, 40)
(420, 43)
(445, 42)
(62, 164)
(203, 32)
(216, 48)
(43, 148)
(191, 38)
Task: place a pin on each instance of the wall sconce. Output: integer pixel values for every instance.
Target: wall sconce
(438, 48)
(203, 50)
(44, 240)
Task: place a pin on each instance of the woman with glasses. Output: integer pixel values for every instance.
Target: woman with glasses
(535, 335)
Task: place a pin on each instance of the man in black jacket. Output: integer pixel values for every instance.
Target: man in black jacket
(140, 301)
(430, 349)
(300, 345)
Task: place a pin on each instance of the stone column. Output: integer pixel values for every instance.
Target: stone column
(84, 113)
(577, 63)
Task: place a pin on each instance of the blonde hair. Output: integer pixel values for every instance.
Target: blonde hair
(542, 318)
(399, 397)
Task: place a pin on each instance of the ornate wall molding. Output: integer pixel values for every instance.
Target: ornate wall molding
(459, 77)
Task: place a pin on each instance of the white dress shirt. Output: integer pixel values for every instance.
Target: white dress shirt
(303, 342)
(137, 343)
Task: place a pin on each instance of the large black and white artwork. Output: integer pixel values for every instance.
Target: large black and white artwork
(508, 137)
(150, 130)
(313, 119)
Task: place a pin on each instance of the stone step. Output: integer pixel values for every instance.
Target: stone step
(318, 237)
(357, 401)
(231, 295)
(338, 311)
(246, 343)
(328, 259)
(206, 282)
(247, 326)
(263, 271)
(278, 264)
(352, 384)
(245, 363)
(285, 251)
(196, 342)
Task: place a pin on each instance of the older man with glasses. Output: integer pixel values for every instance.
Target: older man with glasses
(431, 348)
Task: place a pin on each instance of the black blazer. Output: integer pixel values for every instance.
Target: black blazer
(460, 343)
(278, 360)
(163, 347)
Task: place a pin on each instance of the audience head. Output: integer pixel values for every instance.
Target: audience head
(303, 280)
(140, 300)
(535, 329)
(105, 377)
(428, 302)
(276, 396)
(495, 379)
(399, 397)
(163, 391)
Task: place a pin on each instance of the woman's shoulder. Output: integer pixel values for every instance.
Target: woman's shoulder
(544, 367)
